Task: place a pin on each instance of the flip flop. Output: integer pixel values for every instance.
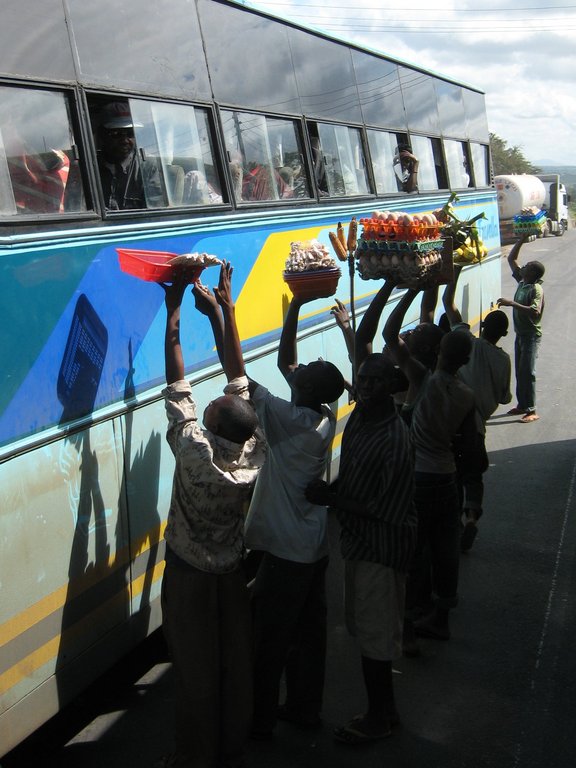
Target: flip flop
(529, 417)
(353, 734)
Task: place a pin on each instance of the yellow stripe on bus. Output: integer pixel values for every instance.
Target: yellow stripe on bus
(56, 600)
(45, 653)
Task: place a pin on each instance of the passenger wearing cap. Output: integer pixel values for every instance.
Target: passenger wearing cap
(127, 181)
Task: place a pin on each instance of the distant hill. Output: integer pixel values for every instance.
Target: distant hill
(567, 173)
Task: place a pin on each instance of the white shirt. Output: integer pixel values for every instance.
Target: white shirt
(280, 519)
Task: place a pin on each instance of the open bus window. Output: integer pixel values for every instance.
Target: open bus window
(458, 164)
(339, 161)
(480, 164)
(265, 157)
(431, 172)
(384, 155)
(39, 169)
(153, 155)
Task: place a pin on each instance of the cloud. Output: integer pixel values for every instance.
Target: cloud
(524, 60)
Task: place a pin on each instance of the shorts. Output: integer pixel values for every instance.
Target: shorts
(374, 596)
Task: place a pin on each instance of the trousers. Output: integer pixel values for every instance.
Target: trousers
(525, 355)
(207, 624)
(290, 618)
(436, 561)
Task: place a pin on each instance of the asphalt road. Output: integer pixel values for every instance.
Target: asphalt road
(500, 694)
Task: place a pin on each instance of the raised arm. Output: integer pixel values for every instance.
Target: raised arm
(428, 305)
(369, 325)
(173, 358)
(287, 348)
(343, 322)
(515, 252)
(206, 303)
(449, 299)
(414, 370)
(233, 362)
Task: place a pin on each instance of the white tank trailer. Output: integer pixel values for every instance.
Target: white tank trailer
(517, 192)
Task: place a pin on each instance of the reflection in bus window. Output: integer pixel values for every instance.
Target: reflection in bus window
(339, 163)
(480, 164)
(265, 157)
(153, 155)
(457, 162)
(382, 148)
(39, 171)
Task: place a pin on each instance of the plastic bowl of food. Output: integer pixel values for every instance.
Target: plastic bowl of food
(314, 283)
(154, 266)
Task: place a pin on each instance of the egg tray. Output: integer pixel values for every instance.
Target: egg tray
(413, 274)
(398, 246)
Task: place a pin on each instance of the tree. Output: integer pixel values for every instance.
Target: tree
(507, 160)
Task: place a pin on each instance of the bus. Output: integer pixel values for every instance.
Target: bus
(235, 134)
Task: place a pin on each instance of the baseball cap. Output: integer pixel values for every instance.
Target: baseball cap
(116, 114)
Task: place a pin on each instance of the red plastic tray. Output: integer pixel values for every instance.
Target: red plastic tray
(152, 265)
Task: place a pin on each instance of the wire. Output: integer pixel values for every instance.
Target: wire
(545, 8)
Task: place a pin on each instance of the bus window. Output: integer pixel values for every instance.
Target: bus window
(458, 164)
(422, 148)
(153, 155)
(339, 162)
(181, 143)
(480, 164)
(39, 170)
(383, 152)
(265, 157)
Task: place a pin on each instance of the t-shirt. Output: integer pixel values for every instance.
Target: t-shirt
(487, 373)
(212, 483)
(530, 295)
(377, 469)
(280, 520)
(440, 412)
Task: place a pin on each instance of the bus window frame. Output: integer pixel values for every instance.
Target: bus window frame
(164, 212)
(298, 121)
(73, 96)
(328, 198)
(464, 144)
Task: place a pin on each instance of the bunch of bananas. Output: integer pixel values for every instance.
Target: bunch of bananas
(466, 241)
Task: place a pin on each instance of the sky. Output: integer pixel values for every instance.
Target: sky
(522, 56)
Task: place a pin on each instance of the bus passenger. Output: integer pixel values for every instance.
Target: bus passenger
(127, 181)
(289, 595)
(205, 604)
(38, 179)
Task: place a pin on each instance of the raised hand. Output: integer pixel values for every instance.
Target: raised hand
(341, 315)
(204, 300)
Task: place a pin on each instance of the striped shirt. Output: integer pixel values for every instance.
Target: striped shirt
(377, 469)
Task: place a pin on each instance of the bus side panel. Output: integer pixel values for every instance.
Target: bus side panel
(64, 564)
(148, 481)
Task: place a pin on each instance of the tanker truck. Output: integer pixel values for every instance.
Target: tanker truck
(545, 192)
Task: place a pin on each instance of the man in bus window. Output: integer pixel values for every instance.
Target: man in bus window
(127, 181)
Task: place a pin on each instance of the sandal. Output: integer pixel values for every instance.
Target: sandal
(353, 733)
(527, 418)
(517, 411)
